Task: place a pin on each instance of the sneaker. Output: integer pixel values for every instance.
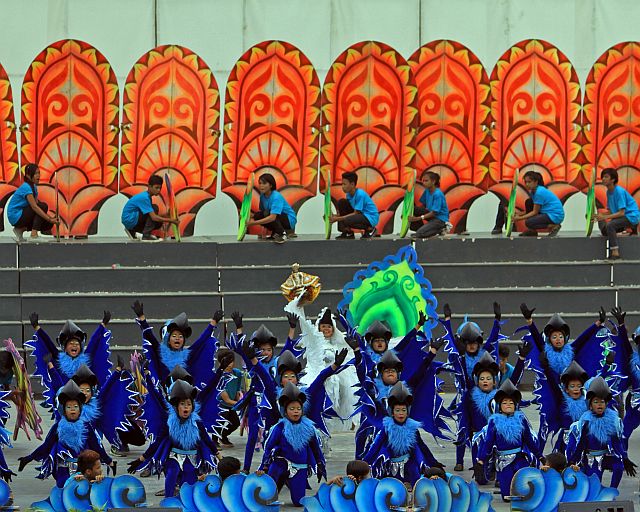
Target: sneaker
(119, 453)
(291, 234)
(225, 443)
(458, 467)
(18, 235)
(130, 234)
(613, 257)
(279, 239)
(346, 235)
(145, 473)
(151, 238)
(369, 233)
(529, 232)
(496, 231)
(554, 229)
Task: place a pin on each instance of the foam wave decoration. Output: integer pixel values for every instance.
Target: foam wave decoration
(238, 493)
(124, 491)
(543, 491)
(5, 493)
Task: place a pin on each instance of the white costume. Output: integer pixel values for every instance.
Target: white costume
(320, 352)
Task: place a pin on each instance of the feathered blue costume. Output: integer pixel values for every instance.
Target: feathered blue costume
(181, 448)
(292, 451)
(65, 440)
(595, 441)
(5, 436)
(398, 450)
(509, 438)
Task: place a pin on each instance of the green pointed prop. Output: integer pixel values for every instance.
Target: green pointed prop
(511, 209)
(591, 204)
(327, 205)
(173, 207)
(245, 209)
(408, 204)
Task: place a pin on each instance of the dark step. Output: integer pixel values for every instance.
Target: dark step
(8, 253)
(9, 280)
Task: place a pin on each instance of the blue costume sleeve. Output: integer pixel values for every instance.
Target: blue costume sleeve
(485, 449)
(57, 380)
(208, 451)
(491, 344)
(319, 406)
(372, 456)
(584, 337)
(98, 351)
(575, 443)
(271, 446)
(537, 337)
(292, 346)
(200, 362)
(518, 370)
(588, 349)
(93, 443)
(208, 399)
(151, 349)
(117, 397)
(316, 450)
(410, 352)
(154, 410)
(41, 345)
(427, 455)
(5, 472)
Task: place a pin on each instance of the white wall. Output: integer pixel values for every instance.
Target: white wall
(221, 30)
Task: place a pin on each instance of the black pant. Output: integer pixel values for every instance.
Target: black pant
(279, 225)
(30, 220)
(612, 228)
(145, 224)
(501, 216)
(358, 221)
(426, 228)
(234, 422)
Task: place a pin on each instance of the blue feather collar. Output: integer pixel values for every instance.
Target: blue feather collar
(69, 365)
(172, 358)
(90, 411)
(559, 360)
(471, 361)
(299, 434)
(184, 433)
(482, 401)
(401, 437)
(603, 428)
(574, 408)
(382, 388)
(72, 434)
(511, 427)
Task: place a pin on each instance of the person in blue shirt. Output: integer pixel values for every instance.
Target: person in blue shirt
(547, 209)
(275, 213)
(622, 212)
(357, 211)
(506, 369)
(230, 395)
(25, 212)
(431, 218)
(140, 215)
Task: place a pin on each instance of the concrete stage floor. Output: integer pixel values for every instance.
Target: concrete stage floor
(28, 489)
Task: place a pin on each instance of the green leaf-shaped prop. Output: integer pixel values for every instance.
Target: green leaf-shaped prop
(245, 209)
(591, 204)
(408, 204)
(327, 205)
(511, 209)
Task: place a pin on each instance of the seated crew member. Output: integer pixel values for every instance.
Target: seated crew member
(431, 218)
(140, 215)
(357, 211)
(547, 209)
(25, 212)
(275, 213)
(622, 212)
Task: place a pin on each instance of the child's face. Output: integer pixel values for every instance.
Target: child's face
(185, 407)
(72, 410)
(154, 190)
(86, 391)
(263, 187)
(530, 184)
(347, 186)
(507, 406)
(389, 376)
(266, 351)
(485, 381)
(288, 376)
(472, 347)
(556, 338)
(294, 411)
(379, 345)
(574, 389)
(72, 348)
(93, 473)
(598, 405)
(427, 181)
(400, 413)
(606, 180)
(176, 340)
(502, 363)
(326, 330)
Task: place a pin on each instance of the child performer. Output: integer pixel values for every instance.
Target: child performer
(357, 211)
(292, 452)
(275, 213)
(431, 218)
(510, 436)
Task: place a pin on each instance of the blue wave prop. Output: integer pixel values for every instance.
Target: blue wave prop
(543, 491)
(207, 494)
(374, 495)
(124, 491)
(5, 493)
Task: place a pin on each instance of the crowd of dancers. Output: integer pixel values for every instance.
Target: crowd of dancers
(182, 400)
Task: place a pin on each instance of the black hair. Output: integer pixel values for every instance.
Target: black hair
(29, 172)
(228, 466)
(503, 351)
(268, 178)
(434, 176)
(154, 179)
(222, 352)
(435, 471)
(358, 469)
(535, 176)
(611, 172)
(557, 461)
(351, 177)
(86, 460)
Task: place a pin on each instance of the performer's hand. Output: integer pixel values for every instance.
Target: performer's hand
(611, 358)
(236, 316)
(575, 467)
(524, 349)
(248, 349)
(138, 308)
(618, 314)
(352, 342)
(293, 320)
(526, 312)
(259, 472)
(335, 480)
(544, 467)
(106, 317)
(334, 218)
(23, 461)
(100, 478)
(217, 316)
(202, 477)
(629, 467)
(602, 316)
(437, 344)
(33, 318)
(321, 472)
(497, 312)
(422, 318)
(446, 310)
(134, 465)
(340, 357)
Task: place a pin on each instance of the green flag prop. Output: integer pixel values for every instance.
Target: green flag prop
(511, 209)
(408, 204)
(591, 204)
(327, 205)
(245, 209)
(173, 207)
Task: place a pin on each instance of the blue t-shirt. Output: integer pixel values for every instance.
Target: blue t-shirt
(18, 202)
(138, 204)
(277, 204)
(549, 204)
(508, 372)
(620, 199)
(436, 203)
(361, 202)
